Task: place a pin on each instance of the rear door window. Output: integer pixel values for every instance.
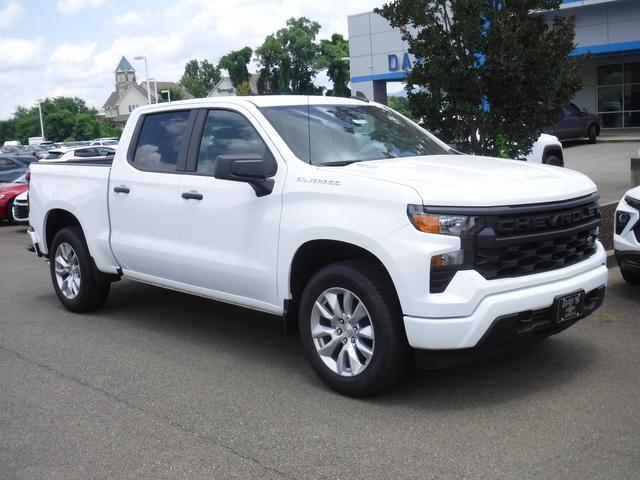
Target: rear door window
(160, 140)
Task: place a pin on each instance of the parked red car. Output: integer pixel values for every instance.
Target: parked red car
(8, 192)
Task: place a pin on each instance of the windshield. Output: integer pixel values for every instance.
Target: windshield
(334, 134)
(20, 179)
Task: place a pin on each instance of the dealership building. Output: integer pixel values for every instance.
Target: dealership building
(608, 29)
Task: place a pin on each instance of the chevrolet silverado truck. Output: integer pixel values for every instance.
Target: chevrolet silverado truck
(373, 239)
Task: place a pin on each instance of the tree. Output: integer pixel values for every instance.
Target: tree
(288, 57)
(490, 73)
(401, 105)
(333, 56)
(235, 62)
(65, 118)
(200, 77)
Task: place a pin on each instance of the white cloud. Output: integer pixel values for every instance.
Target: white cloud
(74, 6)
(169, 35)
(19, 53)
(133, 19)
(10, 14)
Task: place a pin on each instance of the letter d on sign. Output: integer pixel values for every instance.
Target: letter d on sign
(394, 64)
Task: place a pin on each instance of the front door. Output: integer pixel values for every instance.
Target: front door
(143, 197)
(229, 234)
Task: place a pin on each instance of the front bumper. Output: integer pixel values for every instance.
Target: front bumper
(467, 331)
(628, 260)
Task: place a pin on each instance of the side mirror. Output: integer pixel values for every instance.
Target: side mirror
(245, 167)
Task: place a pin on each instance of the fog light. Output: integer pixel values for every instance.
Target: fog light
(622, 219)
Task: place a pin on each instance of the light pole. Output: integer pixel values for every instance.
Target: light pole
(146, 71)
(155, 88)
(41, 122)
(168, 92)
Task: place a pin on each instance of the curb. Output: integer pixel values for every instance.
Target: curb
(617, 140)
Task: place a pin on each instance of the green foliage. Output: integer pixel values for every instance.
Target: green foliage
(235, 62)
(488, 69)
(401, 105)
(243, 89)
(199, 77)
(177, 94)
(287, 59)
(332, 55)
(64, 118)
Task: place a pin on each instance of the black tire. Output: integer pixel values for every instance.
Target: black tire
(390, 359)
(553, 159)
(632, 278)
(592, 133)
(9, 213)
(94, 287)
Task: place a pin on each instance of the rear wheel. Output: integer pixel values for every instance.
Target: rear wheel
(351, 329)
(79, 285)
(631, 277)
(592, 134)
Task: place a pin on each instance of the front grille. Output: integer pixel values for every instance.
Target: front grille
(535, 240)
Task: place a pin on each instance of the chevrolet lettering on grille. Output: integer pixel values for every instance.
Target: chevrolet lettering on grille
(548, 221)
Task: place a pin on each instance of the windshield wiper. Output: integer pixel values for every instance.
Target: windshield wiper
(340, 163)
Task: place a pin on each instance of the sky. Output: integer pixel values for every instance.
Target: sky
(71, 47)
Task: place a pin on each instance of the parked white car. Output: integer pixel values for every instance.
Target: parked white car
(105, 142)
(548, 150)
(20, 209)
(626, 237)
(66, 154)
(351, 222)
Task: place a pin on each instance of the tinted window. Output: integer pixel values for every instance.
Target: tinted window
(160, 140)
(321, 134)
(86, 152)
(571, 109)
(6, 164)
(227, 133)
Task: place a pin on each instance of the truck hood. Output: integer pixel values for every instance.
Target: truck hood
(467, 180)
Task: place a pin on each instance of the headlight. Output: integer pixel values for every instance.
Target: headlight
(442, 224)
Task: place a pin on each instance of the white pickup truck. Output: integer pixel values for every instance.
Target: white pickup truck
(363, 231)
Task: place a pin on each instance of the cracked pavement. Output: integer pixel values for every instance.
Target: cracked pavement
(163, 385)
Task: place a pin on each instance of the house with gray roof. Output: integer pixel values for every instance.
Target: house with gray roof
(128, 94)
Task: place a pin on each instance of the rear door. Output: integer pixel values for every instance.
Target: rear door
(229, 234)
(143, 196)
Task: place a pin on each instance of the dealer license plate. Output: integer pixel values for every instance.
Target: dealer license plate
(569, 307)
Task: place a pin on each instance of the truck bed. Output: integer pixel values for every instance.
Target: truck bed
(79, 187)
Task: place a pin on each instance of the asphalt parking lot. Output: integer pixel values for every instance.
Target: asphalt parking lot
(164, 385)
(606, 163)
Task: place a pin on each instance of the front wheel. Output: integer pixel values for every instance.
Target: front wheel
(351, 329)
(79, 285)
(9, 212)
(632, 278)
(592, 134)
(553, 159)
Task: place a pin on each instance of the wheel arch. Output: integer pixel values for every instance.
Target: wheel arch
(56, 220)
(313, 255)
(552, 150)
